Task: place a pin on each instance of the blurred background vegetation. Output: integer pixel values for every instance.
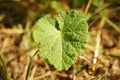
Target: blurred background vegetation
(17, 19)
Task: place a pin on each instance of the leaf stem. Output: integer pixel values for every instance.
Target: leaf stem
(29, 63)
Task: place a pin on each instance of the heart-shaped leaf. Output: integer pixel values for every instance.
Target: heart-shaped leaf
(62, 40)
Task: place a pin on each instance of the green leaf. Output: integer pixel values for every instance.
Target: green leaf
(96, 2)
(62, 40)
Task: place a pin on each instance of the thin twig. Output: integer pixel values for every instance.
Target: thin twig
(98, 40)
(42, 76)
(12, 31)
(33, 73)
(88, 6)
(73, 74)
(90, 47)
(57, 73)
(88, 61)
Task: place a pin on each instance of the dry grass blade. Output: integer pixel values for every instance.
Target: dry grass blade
(42, 76)
(60, 74)
(87, 7)
(82, 57)
(12, 31)
(33, 73)
(98, 40)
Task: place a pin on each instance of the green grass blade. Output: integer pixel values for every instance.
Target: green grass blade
(4, 67)
(113, 25)
(102, 8)
(1, 75)
(90, 16)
